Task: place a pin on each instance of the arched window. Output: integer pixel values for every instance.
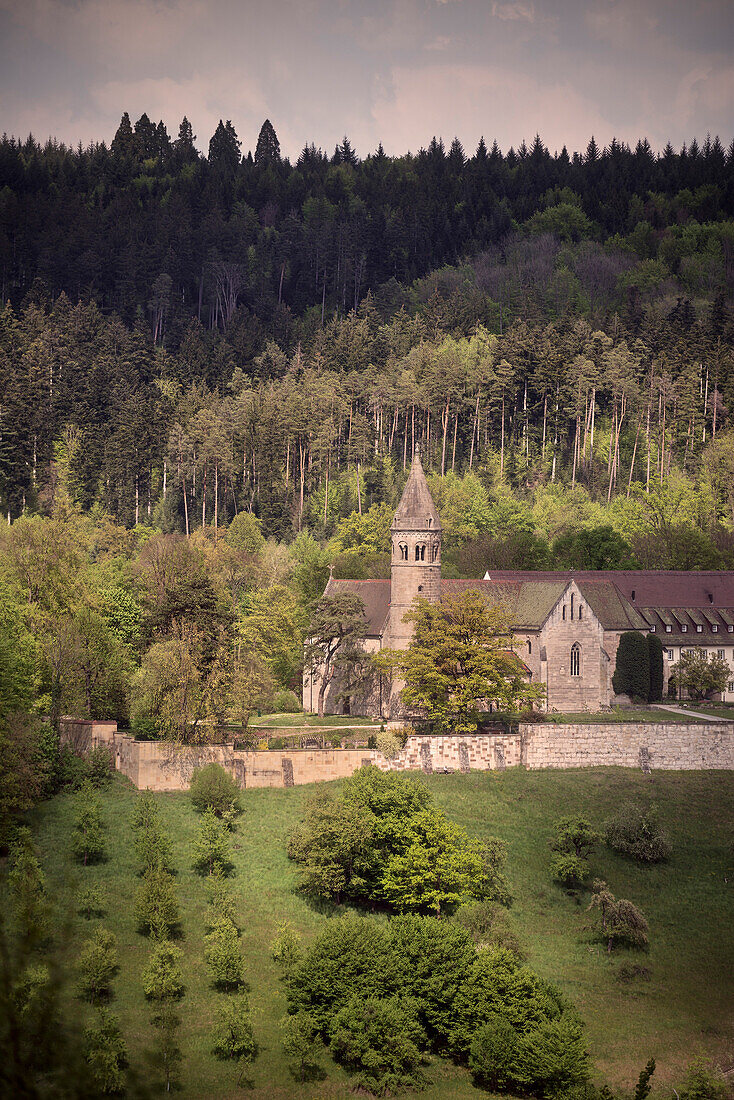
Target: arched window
(581, 609)
(575, 659)
(564, 613)
(403, 551)
(572, 605)
(430, 521)
(434, 552)
(530, 646)
(420, 551)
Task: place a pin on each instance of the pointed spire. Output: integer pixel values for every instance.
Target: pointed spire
(416, 511)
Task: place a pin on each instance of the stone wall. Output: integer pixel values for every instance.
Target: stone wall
(167, 767)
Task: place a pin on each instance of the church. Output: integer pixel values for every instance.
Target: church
(567, 625)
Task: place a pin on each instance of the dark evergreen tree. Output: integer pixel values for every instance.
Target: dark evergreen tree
(655, 660)
(632, 672)
(267, 150)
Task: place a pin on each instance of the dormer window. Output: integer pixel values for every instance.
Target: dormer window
(699, 628)
(730, 628)
(715, 628)
(668, 628)
(684, 627)
(652, 628)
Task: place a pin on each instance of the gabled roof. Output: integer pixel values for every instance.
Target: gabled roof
(647, 587)
(416, 511)
(374, 594)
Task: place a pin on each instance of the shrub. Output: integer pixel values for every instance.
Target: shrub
(145, 815)
(621, 921)
(153, 849)
(632, 672)
(221, 903)
(286, 702)
(100, 765)
(301, 1043)
(156, 905)
(552, 1058)
(213, 786)
(702, 1082)
(635, 832)
(655, 663)
(489, 926)
(92, 902)
(162, 980)
(212, 848)
(98, 964)
(107, 1054)
(379, 1040)
(232, 1033)
(493, 1055)
(28, 890)
(574, 841)
(286, 947)
(388, 744)
(89, 829)
(223, 955)
(498, 985)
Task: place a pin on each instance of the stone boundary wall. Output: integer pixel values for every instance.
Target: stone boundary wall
(168, 767)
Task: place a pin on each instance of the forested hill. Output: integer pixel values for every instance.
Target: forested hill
(185, 338)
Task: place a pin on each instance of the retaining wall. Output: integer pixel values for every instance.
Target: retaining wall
(168, 767)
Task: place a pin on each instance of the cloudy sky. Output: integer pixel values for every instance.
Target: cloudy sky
(396, 71)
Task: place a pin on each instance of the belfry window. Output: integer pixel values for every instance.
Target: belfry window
(575, 660)
(420, 551)
(403, 551)
(434, 552)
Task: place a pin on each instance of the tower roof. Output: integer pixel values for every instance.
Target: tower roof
(416, 511)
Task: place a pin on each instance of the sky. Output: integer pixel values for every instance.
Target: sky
(391, 71)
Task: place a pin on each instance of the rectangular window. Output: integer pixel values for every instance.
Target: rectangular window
(731, 686)
(684, 627)
(720, 653)
(699, 628)
(668, 628)
(670, 654)
(715, 628)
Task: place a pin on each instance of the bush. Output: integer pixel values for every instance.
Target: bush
(493, 1055)
(286, 947)
(489, 926)
(286, 702)
(621, 921)
(221, 903)
(632, 672)
(100, 765)
(213, 786)
(107, 1054)
(162, 980)
(154, 851)
(232, 1033)
(655, 662)
(575, 840)
(379, 1040)
(89, 829)
(212, 847)
(635, 832)
(223, 955)
(98, 964)
(145, 815)
(156, 905)
(301, 1043)
(91, 902)
(388, 744)
(702, 1082)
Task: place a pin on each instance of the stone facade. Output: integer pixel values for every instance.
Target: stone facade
(679, 746)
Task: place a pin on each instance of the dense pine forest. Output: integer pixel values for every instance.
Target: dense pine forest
(191, 337)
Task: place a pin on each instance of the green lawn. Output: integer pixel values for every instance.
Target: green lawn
(716, 710)
(305, 721)
(685, 1007)
(617, 714)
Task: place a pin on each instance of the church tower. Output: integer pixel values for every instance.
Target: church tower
(415, 568)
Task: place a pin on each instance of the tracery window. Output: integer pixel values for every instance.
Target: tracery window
(575, 659)
(403, 551)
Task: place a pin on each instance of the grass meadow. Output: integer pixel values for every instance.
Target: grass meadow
(682, 1006)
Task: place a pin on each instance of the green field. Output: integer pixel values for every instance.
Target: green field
(716, 710)
(308, 721)
(685, 1007)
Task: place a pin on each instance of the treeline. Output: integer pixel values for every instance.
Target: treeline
(160, 234)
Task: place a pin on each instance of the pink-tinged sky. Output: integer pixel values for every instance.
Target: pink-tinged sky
(395, 71)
